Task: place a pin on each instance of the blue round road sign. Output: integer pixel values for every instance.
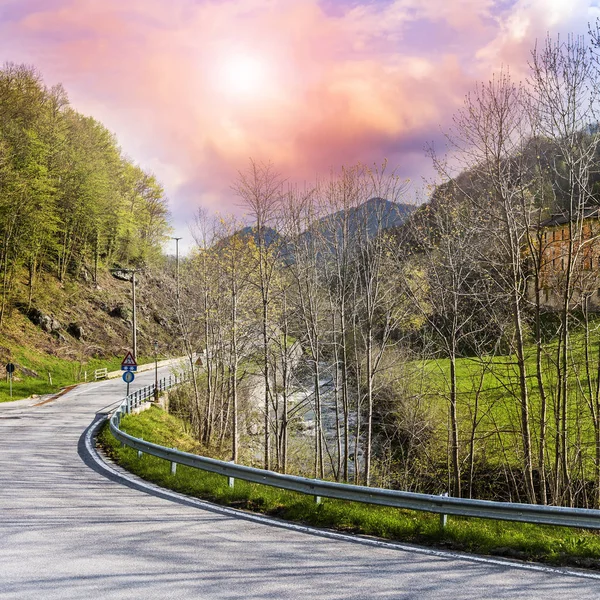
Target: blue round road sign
(10, 368)
(128, 376)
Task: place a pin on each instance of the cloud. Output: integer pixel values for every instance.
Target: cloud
(531, 21)
(194, 88)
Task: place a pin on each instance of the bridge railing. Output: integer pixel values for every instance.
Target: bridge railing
(443, 505)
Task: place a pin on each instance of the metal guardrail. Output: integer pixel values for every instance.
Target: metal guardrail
(443, 505)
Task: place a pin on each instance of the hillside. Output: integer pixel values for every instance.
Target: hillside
(369, 218)
(73, 206)
(364, 221)
(78, 326)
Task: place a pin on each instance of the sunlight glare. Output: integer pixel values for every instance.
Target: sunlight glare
(244, 75)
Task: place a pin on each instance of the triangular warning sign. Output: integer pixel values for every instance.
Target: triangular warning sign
(129, 361)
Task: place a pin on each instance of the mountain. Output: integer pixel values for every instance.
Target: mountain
(270, 235)
(365, 220)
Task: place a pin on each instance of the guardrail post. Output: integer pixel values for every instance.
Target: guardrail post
(317, 499)
(173, 466)
(443, 517)
(231, 480)
(140, 453)
(118, 414)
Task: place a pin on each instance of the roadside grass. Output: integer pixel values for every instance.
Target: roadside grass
(494, 380)
(63, 372)
(553, 545)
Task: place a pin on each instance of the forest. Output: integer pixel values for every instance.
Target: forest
(420, 355)
(70, 200)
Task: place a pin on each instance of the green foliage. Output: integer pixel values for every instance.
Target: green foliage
(554, 545)
(69, 198)
(63, 373)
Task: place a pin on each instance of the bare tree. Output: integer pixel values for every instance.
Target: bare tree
(564, 88)
(489, 135)
(260, 188)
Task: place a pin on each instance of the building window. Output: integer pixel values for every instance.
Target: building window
(587, 264)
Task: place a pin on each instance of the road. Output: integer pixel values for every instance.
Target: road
(70, 528)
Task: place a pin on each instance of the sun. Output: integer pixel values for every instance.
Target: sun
(244, 75)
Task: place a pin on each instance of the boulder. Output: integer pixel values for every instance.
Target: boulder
(35, 316)
(27, 372)
(47, 322)
(75, 330)
(59, 336)
(159, 319)
(121, 312)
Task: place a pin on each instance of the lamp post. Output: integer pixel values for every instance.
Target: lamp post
(122, 274)
(155, 371)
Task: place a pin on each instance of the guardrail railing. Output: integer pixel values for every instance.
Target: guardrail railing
(101, 373)
(442, 505)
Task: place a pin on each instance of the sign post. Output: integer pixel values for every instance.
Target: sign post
(129, 363)
(129, 366)
(10, 369)
(128, 377)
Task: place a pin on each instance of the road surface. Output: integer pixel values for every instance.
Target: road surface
(71, 528)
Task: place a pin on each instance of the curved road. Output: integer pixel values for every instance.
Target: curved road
(71, 528)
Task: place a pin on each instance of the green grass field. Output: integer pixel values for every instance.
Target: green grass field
(62, 371)
(493, 383)
(554, 545)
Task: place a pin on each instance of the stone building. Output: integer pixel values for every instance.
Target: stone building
(557, 252)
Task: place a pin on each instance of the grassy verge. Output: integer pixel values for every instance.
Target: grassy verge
(554, 545)
(60, 371)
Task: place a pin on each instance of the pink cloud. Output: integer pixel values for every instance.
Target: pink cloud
(193, 89)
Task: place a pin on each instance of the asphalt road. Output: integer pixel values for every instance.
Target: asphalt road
(71, 528)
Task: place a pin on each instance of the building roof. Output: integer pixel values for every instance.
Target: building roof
(562, 218)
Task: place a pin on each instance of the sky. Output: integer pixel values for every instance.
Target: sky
(194, 89)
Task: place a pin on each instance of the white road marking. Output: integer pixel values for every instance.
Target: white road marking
(122, 474)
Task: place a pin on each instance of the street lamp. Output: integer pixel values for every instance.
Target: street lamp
(155, 371)
(123, 275)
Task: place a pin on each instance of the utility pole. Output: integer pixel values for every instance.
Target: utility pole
(134, 319)
(122, 274)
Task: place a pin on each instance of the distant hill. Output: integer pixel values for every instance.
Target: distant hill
(270, 234)
(364, 222)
